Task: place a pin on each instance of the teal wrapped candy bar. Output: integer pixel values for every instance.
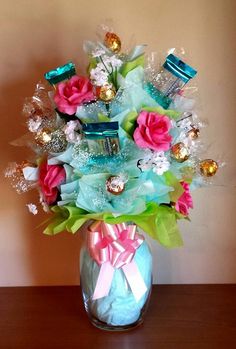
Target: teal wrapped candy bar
(119, 308)
(172, 77)
(158, 97)
(178, 68)
(102, 138)
(60, 73)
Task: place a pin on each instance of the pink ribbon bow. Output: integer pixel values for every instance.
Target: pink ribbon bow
(113, 246)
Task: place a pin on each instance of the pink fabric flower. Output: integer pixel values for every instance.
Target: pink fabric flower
(72, 93)
(50, 176)
(185, 200)
(152, 131)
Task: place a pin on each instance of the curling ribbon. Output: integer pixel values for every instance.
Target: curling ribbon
(113, 246)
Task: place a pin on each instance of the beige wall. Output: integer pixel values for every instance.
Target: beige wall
(39, 35)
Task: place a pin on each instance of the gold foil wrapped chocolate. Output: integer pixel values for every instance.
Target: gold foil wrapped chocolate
(49, 140)
(43, 137)
(39, 110)
(208, 167)
(115, 185)
(193, 133)
(106, 93)
(179, 152)
(113, 42)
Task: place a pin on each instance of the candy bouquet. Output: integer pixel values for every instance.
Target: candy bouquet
(117, 151)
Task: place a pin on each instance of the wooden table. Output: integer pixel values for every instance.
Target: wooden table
(179, 316)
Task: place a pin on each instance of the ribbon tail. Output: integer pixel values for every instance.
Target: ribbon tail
(104, 281)
(135, 280)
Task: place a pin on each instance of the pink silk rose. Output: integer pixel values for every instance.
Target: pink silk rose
(185, 200)
(153, 131)
(50, 176)
(72, 93)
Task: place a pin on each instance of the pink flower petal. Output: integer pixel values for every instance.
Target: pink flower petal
(153, 131)
(72, 93)
(185, 200)
(50, 177)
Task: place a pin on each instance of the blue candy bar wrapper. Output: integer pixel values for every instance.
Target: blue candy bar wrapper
(61, 73)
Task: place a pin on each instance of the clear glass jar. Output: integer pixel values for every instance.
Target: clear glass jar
(119, 310)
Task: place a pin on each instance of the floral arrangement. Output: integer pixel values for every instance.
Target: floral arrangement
(121, 144)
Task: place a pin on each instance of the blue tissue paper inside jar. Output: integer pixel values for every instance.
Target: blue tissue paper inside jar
(119, 308)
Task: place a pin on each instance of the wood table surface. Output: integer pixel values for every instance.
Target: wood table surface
(179, 316)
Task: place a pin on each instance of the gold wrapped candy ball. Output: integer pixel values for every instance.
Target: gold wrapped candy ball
(43, 137)
(208, 167)
(179, 152)
(106, 93)
(51, 140)
(193, 133)
(115, 185)
(113, 42)
(58, 142)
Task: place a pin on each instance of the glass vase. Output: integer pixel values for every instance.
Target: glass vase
(122, 264)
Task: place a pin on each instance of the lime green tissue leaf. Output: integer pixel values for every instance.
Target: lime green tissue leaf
(130, 65)
(129, 122)
(168, 231)
(160, 222)
(172, 181)
(92, 64)
(169, 112)
(103, 118)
